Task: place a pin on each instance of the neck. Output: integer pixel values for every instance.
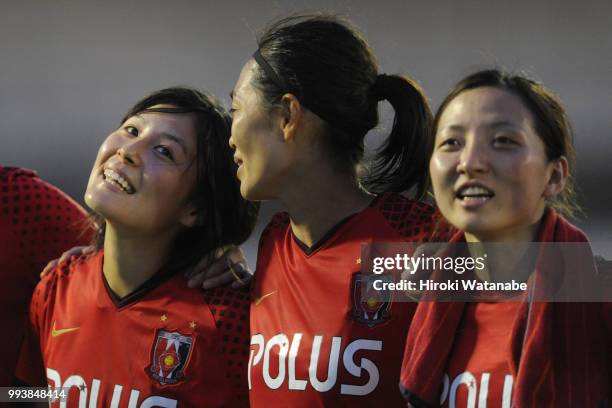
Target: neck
(319, 199)
(510, 255)
(526, 232)
(131, 260)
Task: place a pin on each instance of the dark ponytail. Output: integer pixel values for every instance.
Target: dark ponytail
(401, 162)
(329, 67)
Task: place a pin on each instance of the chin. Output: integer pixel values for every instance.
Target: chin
(97, 202)
(258, 197)
(251, 196)
(253, 193)
(91, 200)
(470, 226)
(244, 192)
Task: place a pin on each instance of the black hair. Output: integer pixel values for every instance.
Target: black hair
(224, 217)
(550, 121)
(329, 67)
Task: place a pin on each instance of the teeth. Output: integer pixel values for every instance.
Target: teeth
(475, 191)
(116, 179)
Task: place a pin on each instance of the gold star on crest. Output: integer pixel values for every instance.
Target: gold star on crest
(163, 318)
(358, 261)
(192, 324)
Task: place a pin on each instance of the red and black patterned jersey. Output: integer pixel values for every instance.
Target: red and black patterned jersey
(313, 341)
(165, 345)
(37, 223)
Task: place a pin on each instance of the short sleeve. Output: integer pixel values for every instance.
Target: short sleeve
(30, 366)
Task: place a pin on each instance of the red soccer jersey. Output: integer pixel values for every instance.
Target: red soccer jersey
(477, 373)
(37, 223)
(313, 342)
(165, 345)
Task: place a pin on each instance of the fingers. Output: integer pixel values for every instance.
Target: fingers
(233, 274)
(199, 272)
(196, 278)
(228, 266)
(239, 276)
(242, 273)
(239, 271)
(206, 270)
(201, 266)
(224, 274)
(52, 264)
(236, 255)
(73, 252)
(244, 282)
(218, 281)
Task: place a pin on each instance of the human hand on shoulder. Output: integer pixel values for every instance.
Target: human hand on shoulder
(226, 266)
(73, 252)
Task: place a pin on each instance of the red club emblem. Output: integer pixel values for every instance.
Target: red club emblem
(169, 356)
(370, 307)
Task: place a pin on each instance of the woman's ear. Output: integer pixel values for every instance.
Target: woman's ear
(292, 113)
(191, 216)
(558, 177)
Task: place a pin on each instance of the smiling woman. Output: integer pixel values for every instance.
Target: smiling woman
(501, 169)
(486, 150)
(144, 172)
(164, 193)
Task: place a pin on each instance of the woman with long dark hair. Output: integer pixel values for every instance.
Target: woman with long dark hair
(119, 326)
(502, 167)
(301, 109)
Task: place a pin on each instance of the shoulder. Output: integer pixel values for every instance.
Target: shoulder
(63, 276)
(57, 289)
(277, 224)
(16, 174)
(24, 181)
(279, 220)
(33, 199)
(14, 182)
(570, 232)
(411, 218)
(394, 206)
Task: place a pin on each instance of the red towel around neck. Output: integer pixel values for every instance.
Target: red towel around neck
(559, 354)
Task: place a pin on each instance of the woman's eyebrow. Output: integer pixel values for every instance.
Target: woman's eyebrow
(456, 128)
(177, 140)
(137, 116)
(502, 123)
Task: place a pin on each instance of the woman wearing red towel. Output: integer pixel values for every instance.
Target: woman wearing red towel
(501, 169)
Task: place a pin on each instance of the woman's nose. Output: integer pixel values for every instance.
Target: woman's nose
(131, 153)
(474, 159)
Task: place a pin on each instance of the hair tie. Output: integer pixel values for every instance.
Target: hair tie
(278, 81)
(380, 88)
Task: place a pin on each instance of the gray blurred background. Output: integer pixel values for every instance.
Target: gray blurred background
(70, 69)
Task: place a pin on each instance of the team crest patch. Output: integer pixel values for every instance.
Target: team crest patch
(170, 356)
(370, 307)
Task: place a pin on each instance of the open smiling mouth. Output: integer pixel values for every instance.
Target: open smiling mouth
(474, 195)
(114, 178)
(237, 161)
